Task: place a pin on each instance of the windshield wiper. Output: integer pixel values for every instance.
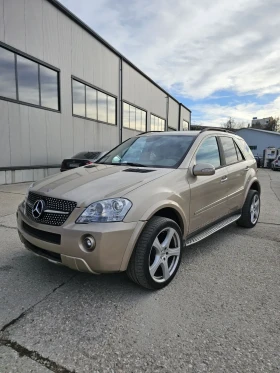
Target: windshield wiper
(133, 164)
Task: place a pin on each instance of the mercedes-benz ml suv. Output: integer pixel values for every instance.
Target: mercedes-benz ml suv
(142, 203)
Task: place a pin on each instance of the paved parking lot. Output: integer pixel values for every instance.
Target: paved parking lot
(220, 314)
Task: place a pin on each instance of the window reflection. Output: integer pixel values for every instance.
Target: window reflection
(28, 80)
(7, 74)
(132, 117)
(79, 98)
(185, 125)
(91, 103)
(125, 115)
(111, 110)
(138, 120)
(157, 124)
(144, 121)
(102, 106)
(49, 88)
(209, 152)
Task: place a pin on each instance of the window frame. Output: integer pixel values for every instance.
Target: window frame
(157, 116)
(222, 152)
(16, 53)
(73, 77)
(136, 107)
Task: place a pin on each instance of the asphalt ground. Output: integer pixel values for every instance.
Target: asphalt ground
(221, 313)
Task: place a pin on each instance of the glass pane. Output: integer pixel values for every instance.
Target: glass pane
(7, 74)
(156, 124)
(28, 82)
(111, 110)
(209, 152)
(102, 106)
(49, 87)
(229, 150)
(152, 122)
(125, 115)
(91, 106)
(138, 120)
(132, 111)
(239, 154)
(144, 120)
(79, 99)
(185, 125)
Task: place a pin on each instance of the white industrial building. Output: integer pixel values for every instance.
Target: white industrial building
(258, 140)
(63, 89)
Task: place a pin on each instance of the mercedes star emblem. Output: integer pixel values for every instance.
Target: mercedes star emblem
(38, 208)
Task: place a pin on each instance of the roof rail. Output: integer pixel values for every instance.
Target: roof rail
(215, 129)
(143, 133)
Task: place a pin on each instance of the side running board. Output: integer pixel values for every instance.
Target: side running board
(213, 229)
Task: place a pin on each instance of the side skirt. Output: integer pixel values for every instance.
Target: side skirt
(206, 232)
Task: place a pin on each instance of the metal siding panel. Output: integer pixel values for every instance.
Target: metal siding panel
(78, 134)
(97, 63)
(53, 137)
(2, 29)
(65, 47)
(25, 134)
(127, 134)
(15, 134)
(89, 137)
(88, 57)
(77, 51)
(14, 23)
(34, 28)
(5, 151)
(173, 114)
(38, 136)
(110, 72)
(50, 32)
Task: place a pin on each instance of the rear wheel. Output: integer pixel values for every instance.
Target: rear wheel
(157, 255)
(251, 210)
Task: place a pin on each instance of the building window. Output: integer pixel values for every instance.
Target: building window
(253, 147)
(134, 118)
(186, 125)
(157, 124)
(26, 81)
(90, 103)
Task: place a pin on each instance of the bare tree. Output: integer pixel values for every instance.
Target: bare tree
(233, 124)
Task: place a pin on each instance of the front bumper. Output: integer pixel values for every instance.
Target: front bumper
(114, 243)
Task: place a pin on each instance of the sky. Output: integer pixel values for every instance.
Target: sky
(219, 58)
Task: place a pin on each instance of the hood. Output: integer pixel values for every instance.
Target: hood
(85, 185)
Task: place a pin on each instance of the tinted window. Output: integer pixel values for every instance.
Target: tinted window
(111, 110)
(79, 98)
(91, 106)
(102, 106)
(150, 151)
(7, 74)
(28, 80)
(208, 152)
(229, 150)
(49, 88)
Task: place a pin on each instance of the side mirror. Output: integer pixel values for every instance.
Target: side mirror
(203, 169)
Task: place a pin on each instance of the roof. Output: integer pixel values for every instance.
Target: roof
(78, 21)
(256, 129)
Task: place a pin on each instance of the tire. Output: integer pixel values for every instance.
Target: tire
(246, 220)
(148, 253)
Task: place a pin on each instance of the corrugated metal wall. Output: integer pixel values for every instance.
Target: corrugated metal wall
(261, 140)
(33, 136)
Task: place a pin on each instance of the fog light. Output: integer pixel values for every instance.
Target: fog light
(89, 243)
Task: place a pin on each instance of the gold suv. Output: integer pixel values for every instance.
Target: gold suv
(142, 202)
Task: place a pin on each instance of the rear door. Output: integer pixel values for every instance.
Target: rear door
(237, 169)
(208, 202)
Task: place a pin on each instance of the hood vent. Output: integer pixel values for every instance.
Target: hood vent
(139, 170)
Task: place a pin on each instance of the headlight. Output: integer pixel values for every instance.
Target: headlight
(108, 210)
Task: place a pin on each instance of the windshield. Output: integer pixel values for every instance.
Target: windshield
(150, 151)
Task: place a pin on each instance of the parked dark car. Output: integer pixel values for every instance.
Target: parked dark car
(81, 159)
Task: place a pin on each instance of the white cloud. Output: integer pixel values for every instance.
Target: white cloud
(194, 49)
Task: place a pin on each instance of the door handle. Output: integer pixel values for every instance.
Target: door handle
(224, 179)
(246, 169)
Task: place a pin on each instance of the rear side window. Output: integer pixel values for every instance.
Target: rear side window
(208, 152)
(229, 150)
(238, 152)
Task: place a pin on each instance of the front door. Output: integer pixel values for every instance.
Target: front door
(208, 200)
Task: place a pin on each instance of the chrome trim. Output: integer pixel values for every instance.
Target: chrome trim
(57, 212)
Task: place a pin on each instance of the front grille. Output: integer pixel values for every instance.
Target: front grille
(42, 235)
(58, 205)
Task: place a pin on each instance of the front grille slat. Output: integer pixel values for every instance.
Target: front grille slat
(51, 203)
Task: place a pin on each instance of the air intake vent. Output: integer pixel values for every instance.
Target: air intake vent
(139, 170)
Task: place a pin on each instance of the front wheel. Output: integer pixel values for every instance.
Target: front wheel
(157, 255)
(251, 210)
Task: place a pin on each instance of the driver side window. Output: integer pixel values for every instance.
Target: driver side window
(208, 152)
